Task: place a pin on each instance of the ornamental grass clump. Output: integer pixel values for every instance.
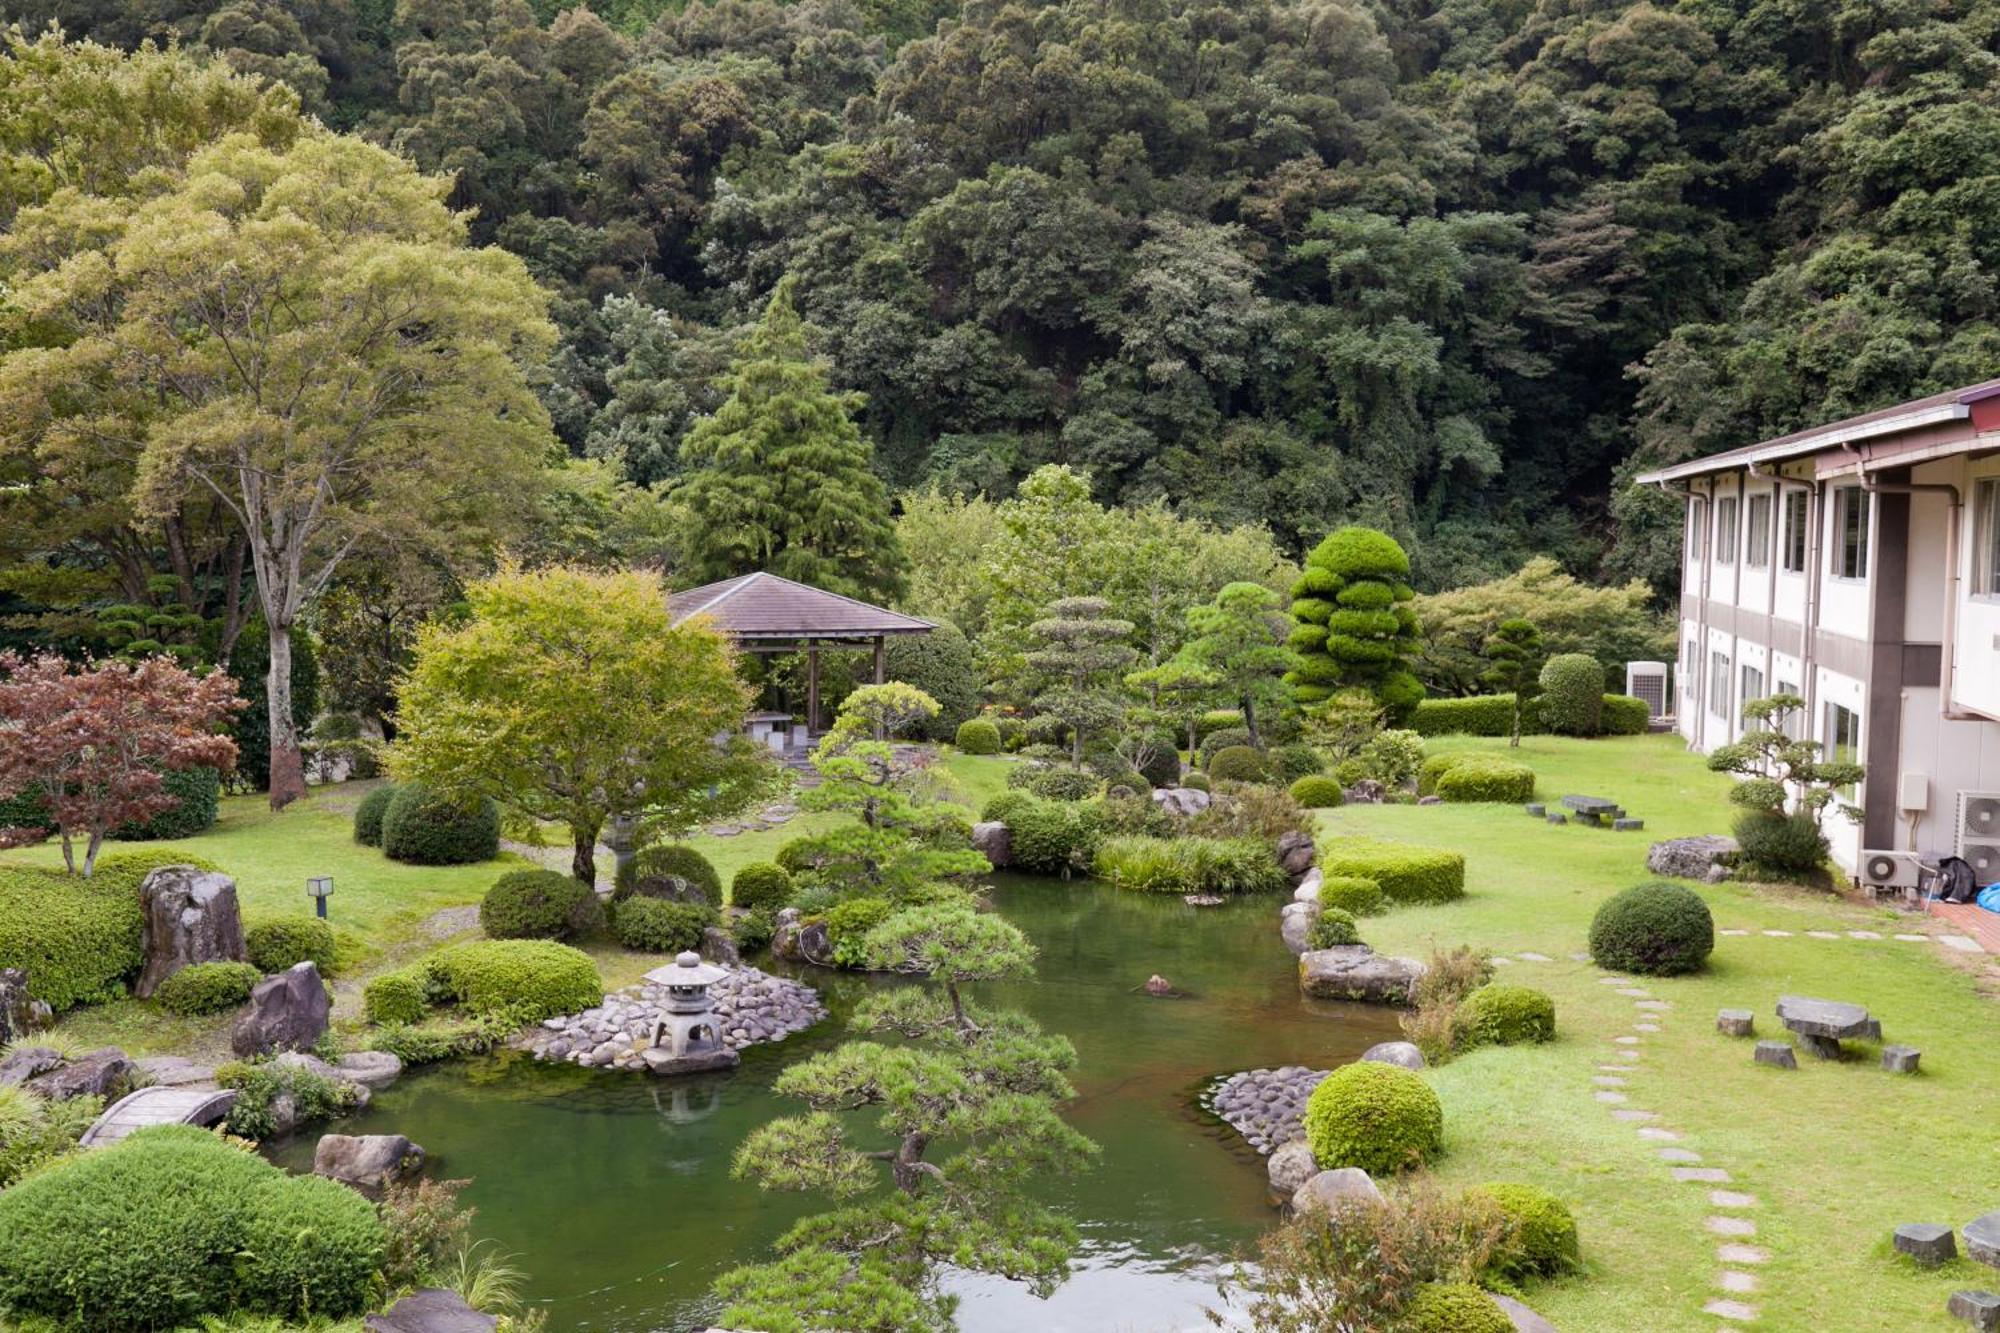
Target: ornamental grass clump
(1431, 1023)
(1656, 929)
(1188, 864)
(1378, 1117)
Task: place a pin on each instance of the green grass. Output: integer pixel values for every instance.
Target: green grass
(1837, 1154)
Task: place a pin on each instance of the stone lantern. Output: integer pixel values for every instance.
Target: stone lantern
(686, 1038)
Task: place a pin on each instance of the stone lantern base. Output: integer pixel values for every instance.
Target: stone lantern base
(660, 1061)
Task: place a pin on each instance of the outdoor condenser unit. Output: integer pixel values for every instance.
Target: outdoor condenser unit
(1979, 834)
(1648, 681)
(1890, 870)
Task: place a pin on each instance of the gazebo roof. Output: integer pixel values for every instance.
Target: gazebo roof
(764, 606)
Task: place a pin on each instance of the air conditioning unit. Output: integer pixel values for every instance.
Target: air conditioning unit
(1889, 870)
(1979, 834)
(1648, 681)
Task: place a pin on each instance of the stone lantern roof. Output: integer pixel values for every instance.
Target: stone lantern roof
(687, 971)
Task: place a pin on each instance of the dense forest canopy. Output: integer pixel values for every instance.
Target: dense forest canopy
(1449, 268)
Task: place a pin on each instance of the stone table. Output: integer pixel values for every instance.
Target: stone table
(1821, 1025)
(1594, 809)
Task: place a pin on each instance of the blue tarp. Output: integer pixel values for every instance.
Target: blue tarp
(1989, 898)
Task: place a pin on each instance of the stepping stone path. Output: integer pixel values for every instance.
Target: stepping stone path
(1734, 1232)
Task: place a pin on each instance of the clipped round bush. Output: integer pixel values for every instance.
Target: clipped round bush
(395, 997)
(1351, 894)
(978, 736)
(761, 885)
(1381, 1118)
(1333, 926)
(539, 905)
(1297, 760)
(277, 943)
(1453, 1307)
(1013, 733)
(1163, 761)
(77, 939)
(942, 665)
(1318, 792)
(1404, 873)
(795, 855)
(207, 988)
(1055, 782)
(1195, 781)
(1217, 741)
(1779, 846)
(1506, 1016)
(1539, 1239)
(669, 871)
(199, 791)
(1238, 763)
(1622, 715)
(1572, 702)
(1054, 837)
(1656, 929)
(1002, 806)
(753, 930)
(656, 925)
(536, 978)
(424, 828)
(1487, 780)
(173, 1224)
(369, 814)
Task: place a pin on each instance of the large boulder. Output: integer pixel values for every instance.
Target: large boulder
(25, 1062)
(430, 1311)
(1291, 1166)
(20, 1013)
(190, 917)
(1295, 854)
(1357, 972)
(103, 1073)
(1692, 858)
(995, 841)
(1309, 888)
(1295, 923)
(287, 1012)
(1403, 1054)
(1182, 802)
(1337, 1189)
(800, 940)
(719, 946)
(367, 1161)
(374, 1070)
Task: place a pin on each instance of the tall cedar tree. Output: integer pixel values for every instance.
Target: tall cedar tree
(782, 480)
(1239, 639)
(89, 745)
(1079, 656)
(1514, 666)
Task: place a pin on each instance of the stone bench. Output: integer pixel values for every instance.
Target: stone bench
(1736, 1023)
(1981, 1309)
(1926, 1242)
(1777, 1054)
(1901, 1059)
(1628, 825)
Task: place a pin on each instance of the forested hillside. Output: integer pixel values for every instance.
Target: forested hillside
(1445, 267)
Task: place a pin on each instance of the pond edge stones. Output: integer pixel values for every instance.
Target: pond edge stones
(751, 1006)
(1266, 1106)
(1357, 972)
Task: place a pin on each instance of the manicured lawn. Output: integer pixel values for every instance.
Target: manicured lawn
(1837, 1155)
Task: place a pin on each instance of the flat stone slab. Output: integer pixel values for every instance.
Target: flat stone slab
(1777, 1054)
(1628, 825)
(1537, 810)
(1701, 1175)
(1555, 818)
(1735, 1283)
(1608, 1096)
(1658, 1135)
(1627, 1113)
(1962, 943)
(1982, 1239)
(1736, 1311)
(1731, 1199)
(1589, 805)
(1735, 1253)
(1981, 1309)
(1927, 1242)
(1524, 1319)
(1729, 1226)
(1529, 956)
(1679, 1155)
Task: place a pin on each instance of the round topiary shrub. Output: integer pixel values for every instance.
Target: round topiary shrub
(795, 856)
(1317, 792)
(207, 988)
(1333, 926)
(979, 736)
(1487, 780)
(281, 942)
(1352, 894)
(657, 925)
(1453, 1307)
(1657, 929)
(1506, 1016)
(1162, 766)
(395, 997)
(1622, 715)
(1572, 701)
(1055, 837)
(1381, 1118)
(1217, 741)
(539, 905)
(1779, 846)
(1539, 1236)
(173, 1224)
(424, 828)
(1056, 782)
(199, 791)
(1195, 781)
(535, 979)
(368, 815)
(671, 870)
(1297, 760)
(761, 885)
(1238, 763)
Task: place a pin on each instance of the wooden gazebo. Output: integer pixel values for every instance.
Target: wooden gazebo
(762, 613)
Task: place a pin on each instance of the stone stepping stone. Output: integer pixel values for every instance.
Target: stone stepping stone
(1962, 943)
(1732, 1199)
(1501, 962)
(1607, 1080)
(1743, 1254)
(1864, 935)
(1912, 939)
(1627, 1113)
(1611, 1097)
(1528, 957)
(1735, 1282)
(1614, 981)
(1655, 1005)
(1779, 934)
(1679, 1155)
(1579, 958)
(1645, 1027)
(1701, 1175)
(1732, 932)
(1626, 1041)
(1823, 934)
(1625, 1053)
(1637, 992)
(1729, 1226)
(1736, 1311)
(1659, 1135)
(1616, 1069)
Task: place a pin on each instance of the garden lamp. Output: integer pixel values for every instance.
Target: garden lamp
(320, 887)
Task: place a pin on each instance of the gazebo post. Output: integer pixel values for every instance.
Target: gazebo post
(881, 662)
(812, 687)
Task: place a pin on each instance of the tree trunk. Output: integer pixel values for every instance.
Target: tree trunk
(288, 775)
(909, 1163)
(1250, 721)
(90, 853)
(583, 859)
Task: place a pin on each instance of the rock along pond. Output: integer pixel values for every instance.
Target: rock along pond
(613, 1193)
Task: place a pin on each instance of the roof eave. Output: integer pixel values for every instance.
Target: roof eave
(1816, 442)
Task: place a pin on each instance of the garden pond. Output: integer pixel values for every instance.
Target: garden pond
(613, 1191)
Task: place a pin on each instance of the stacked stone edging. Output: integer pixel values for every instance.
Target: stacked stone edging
(751, 1006)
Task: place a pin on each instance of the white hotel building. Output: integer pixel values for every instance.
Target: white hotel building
(1857, 565)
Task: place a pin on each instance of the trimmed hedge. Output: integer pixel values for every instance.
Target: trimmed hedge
(1238, 763)
(666, 862)
(79, 939)
(1453, 1307)
(395, 997)
(172, 1224)
(1195, 781)
(1351, 893)
(281, 942)
(1487, 780)
(1474, 715)
(207, 988)
(538, 976)
(1405, 874)
(1539, 1239)
(1656, 929)
(1054, 837)
(369, 814)
(761, 885)
(423, 828)
(539, 905)
(978, 736)
(1217, 741)
(1381, 1118)
(656, 925)
(1506, 1016)
(1572, 702)
(1623, 715)
(1333, 926)
(1318, 792)
(199, 791)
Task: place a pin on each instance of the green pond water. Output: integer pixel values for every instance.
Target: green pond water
(613, 1190)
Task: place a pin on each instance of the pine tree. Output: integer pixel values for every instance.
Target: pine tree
(1355, 627)
(1514, 664)
(1080, 655)
(1239, 638)
(781, 479)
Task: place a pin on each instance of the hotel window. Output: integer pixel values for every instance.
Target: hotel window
(1842, 742)
(1690, 669)
(1850, 533)
(1718, 684)
(1791, 718)
(1986, 539)
(1757, 540)
(1697, 530)
(1753, 684)
(1795, 532)
(1725, 531)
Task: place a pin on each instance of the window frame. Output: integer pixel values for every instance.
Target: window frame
(1985, 581)
(1757, 547)
(1697, 533)
(1721, 681)
(1726, 510)
(1831, 747)
(1795, 531)
(1853, 524)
